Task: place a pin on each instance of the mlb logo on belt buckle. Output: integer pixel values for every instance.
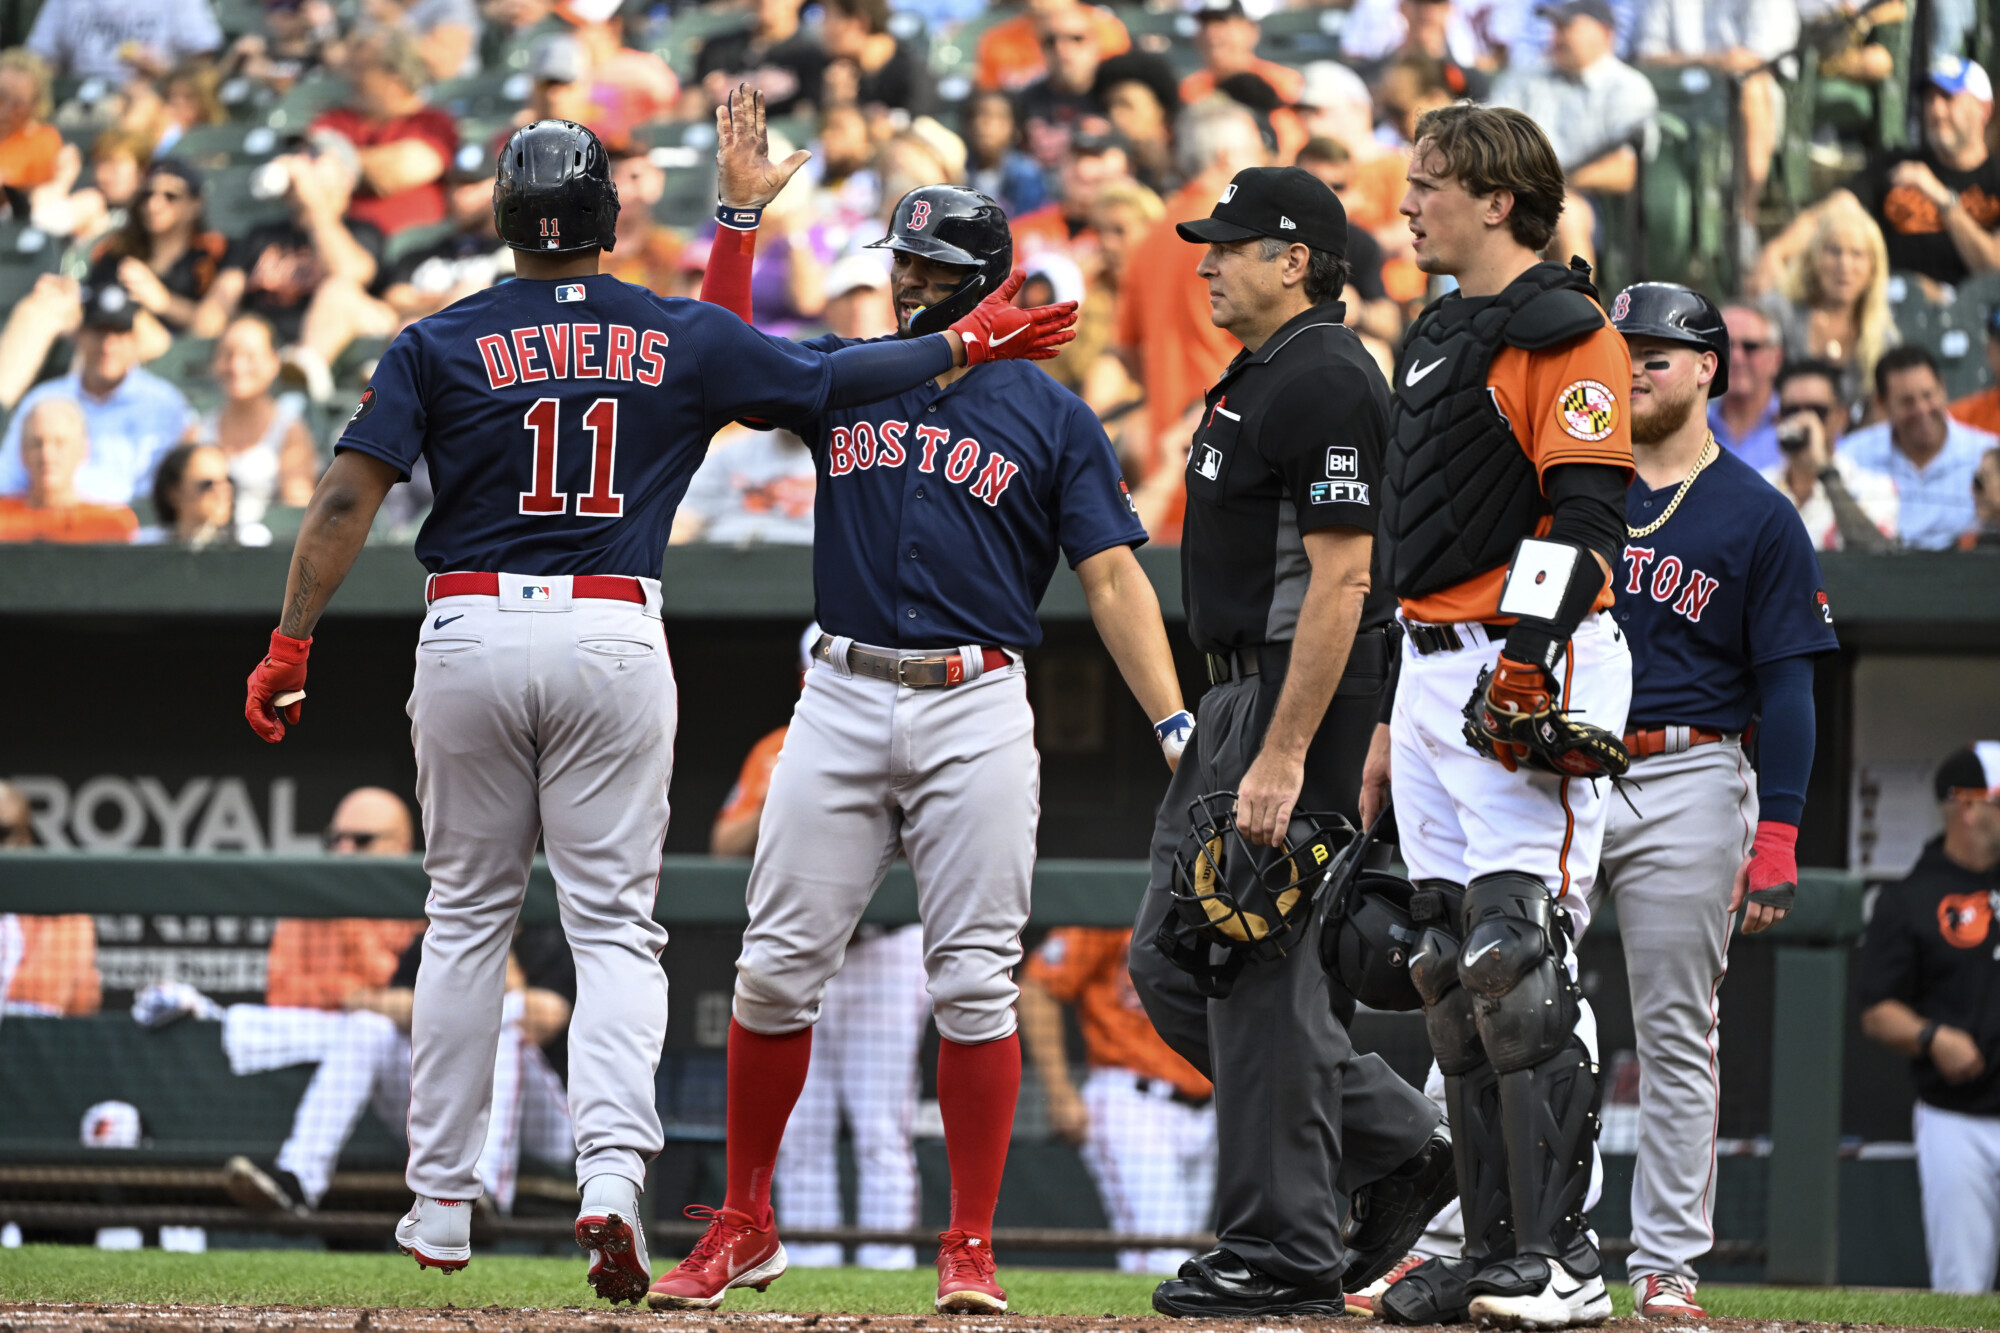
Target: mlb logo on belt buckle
(535, 592)
(572, 291)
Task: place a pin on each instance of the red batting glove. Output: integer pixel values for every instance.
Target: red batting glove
(998, 331)
(1516, 687)
(282, 671)
(1770, 878)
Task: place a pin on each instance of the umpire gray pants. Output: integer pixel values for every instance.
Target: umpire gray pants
(1301, 1120)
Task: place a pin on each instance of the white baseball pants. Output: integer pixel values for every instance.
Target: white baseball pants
(864, 1066)
(1153, 1160)
(1669, 870)
(950, 777)
(1462, 816)
(1958, 1165)
(554, 719)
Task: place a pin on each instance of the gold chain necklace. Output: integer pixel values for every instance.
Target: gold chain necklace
(1709, 452)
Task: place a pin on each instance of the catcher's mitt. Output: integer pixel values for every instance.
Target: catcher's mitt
(1515, 715)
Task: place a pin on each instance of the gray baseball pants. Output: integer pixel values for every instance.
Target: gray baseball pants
(551, 718)
(1668, 870)
(1301, 1119)
(950, 778)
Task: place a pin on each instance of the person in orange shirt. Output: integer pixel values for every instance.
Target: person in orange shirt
(28, 143)
(1145, 1119)
(54, 444)
(1982, 410)
(1164, 335)
(1089, 163)
(1010, 52)
(1227, 39)
(648, 253)
(56, 974)
(1502, 513)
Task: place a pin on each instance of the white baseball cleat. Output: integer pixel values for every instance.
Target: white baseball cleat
(608, 1228)
(1666, 1296)
(437, 1233)
(1564, 1301)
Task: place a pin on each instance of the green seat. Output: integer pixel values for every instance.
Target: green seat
(232, 209)
(412, 239)
(308, 97)
(185, 362)
(1688, 198)
(488, 93)
(214, 147)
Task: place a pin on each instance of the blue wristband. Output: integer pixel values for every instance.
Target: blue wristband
(738, 219)
(1174, 733)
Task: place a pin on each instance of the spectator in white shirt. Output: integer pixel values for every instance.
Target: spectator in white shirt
(755, 488)
(1930, 455)
(1733, 37)
(1844, 506)
(117, 39)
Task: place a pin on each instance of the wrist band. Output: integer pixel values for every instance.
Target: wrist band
(1926, 1037)
(738, 219)
(1174, 732)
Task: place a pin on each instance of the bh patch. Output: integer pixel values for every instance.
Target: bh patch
(1589, 410)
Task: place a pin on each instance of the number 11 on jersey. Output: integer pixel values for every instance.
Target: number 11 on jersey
(601, 420)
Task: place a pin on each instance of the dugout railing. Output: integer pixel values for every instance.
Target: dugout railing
(48, 1180)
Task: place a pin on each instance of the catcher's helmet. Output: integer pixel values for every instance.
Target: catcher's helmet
(952, 225)
(1677, 314)
(1366, 942)
(554, 193)
(1250, 902)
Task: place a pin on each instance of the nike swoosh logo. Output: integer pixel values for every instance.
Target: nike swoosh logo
(995, 342)
(1470, 959)
(1418, 372)
(442, 621)
(1565, 1295)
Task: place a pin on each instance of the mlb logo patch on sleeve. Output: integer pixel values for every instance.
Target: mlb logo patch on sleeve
(570, 291)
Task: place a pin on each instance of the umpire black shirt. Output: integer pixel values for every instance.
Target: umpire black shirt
(1290, 442)
(1932, 943)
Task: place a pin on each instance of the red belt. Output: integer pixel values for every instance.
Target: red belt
(1661, 740)
(605, 587)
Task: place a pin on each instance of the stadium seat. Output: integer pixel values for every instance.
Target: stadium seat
(412, 239)
(1952, 327)
(309, 96)
(214, 147)
(1688, 186)
(491, 93)
(185, 362)
(232, 209)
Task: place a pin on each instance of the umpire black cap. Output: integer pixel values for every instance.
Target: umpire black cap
(1286, 203)
(554, 193)
(952, 225)
(1674, 313)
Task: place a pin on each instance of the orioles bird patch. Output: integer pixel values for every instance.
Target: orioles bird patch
(1589, 410)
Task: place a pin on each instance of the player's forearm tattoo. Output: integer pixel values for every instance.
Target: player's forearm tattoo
(293, 622)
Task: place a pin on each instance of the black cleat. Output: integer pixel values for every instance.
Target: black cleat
(1389, 1214)
(1222, 1285)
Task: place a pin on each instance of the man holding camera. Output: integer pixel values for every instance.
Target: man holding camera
(1843, 505)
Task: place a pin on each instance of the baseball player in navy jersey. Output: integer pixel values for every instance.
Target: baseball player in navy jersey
(561, 415)
(1719, 591)
(940, 515)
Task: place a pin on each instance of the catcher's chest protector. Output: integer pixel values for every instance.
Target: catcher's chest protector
(1458, 491)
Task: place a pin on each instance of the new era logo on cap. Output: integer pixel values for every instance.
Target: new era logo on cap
(1289, 203)
(1228, 193)
(1286, 224)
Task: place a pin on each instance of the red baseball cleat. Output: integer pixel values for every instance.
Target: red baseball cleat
(734, 1252)
(618, 1268)
(1363, 1303)
(1666, 1296)
(965, 1276)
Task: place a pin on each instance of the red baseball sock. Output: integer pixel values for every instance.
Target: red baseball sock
(977, 1089)
(766, 1075)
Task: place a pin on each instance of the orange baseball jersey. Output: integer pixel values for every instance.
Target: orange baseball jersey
(753, 784)
(318, 964)
(1568, 405)
(58, 970)
(22, 522)
(1010, 52)
(1980, 410)
(1084, 966)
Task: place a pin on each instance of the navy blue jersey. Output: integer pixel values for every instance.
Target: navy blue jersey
(563, 419)
(1729, 584)
(941, 513)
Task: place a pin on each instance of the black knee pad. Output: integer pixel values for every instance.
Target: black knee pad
(1448, 1014)
(1513, 963)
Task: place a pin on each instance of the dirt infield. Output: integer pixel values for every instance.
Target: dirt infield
(49, 1318)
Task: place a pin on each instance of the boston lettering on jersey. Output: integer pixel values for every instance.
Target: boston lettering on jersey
(537, 352)
(868, 444)
(1666, 580)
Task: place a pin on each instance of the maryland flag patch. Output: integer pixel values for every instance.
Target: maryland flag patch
(1589, 410)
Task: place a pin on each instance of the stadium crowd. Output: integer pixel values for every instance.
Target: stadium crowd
(218, 212)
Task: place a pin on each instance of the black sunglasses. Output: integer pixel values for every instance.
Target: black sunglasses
(362, 841)
(1825, 411)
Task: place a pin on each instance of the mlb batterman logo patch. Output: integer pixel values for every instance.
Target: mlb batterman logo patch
(570, 291)
(1589, 410)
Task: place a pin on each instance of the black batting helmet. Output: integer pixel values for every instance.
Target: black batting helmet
(953, 225)
(554, 193)
(1251, 903)
(1675, 313)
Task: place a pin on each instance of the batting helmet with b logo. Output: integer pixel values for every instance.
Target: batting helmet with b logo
(952, 225)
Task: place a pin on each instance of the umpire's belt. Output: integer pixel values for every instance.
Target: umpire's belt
(1256, 660)
(1427, 639)
(916, 671)
(1645, 742)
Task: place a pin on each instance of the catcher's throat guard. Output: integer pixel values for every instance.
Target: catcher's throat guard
(1236, 903)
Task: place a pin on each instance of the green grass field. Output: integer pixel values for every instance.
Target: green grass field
(305, 1277)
